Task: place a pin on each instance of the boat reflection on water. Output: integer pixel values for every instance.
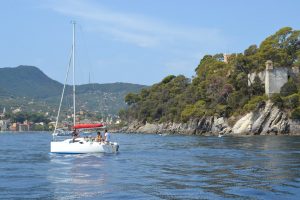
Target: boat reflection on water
(78, 175)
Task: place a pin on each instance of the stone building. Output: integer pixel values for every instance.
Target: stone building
(273, 78)
(226, 57)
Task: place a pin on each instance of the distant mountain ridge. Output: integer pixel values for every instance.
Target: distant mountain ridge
(30, 82)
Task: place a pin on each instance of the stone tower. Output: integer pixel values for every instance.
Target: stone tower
(226, 57)
(275, 78)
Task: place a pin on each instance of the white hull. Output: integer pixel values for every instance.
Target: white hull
(82, 146)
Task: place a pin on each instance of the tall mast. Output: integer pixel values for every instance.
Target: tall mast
(74, 110)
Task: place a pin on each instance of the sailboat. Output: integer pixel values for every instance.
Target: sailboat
(79, 144)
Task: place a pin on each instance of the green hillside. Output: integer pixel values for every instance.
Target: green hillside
(29, 88)
(221, 88)
(28, 81)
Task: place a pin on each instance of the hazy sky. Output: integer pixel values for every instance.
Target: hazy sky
(136, 41)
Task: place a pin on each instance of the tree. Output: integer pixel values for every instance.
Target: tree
(257, 87)
(168, 79)
(288, 88)
(251, 50)
(282, 47)
(132, 98)
(219, 88)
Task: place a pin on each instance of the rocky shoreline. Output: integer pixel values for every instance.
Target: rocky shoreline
(267, 119)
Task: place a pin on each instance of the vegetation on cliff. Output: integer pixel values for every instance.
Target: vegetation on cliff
(221, 88)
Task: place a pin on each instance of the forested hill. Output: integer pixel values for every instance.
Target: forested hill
(28, 81)
(221, 88)
(32, 90)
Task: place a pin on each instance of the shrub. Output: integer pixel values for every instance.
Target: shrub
(296, 113)
(187, 113)
(254, 102)
(277, 100)
(288, 88)
(291, 101)
(196, 110)
(220, 110)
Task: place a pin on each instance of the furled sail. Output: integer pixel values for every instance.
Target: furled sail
(79, 126)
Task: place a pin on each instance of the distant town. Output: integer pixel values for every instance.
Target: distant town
(18, 120)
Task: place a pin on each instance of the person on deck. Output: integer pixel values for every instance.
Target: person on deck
(107, 136)
(75, 134)
(99, 137)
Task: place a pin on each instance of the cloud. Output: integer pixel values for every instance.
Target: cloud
(135, 28)
(183, 64)
(141, 40)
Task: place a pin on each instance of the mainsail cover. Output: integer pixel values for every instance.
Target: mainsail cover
(79, 126)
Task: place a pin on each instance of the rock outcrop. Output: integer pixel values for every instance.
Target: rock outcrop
(265, 120)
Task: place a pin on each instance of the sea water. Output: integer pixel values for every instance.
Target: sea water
(151, 166)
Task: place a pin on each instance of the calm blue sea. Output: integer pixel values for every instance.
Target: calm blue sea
(150, 166)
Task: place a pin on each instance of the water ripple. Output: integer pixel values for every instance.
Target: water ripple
(153, 167)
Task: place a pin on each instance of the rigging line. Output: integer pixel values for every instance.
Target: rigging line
(63, 92)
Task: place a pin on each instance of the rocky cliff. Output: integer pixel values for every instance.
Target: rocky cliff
(267, 119)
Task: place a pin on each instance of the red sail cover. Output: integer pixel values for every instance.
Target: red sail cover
(78, 126)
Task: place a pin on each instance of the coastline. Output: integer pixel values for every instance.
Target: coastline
(265, 120)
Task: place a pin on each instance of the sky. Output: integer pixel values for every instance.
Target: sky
(134, 41)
